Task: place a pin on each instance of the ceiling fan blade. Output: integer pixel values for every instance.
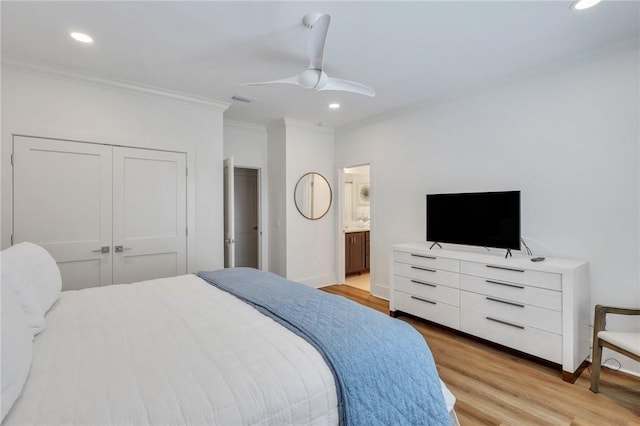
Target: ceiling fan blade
(316, 40)
(289, 80)
(308, 79)
(348, 86)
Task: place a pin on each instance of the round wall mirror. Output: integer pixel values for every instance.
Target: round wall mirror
(313, 196)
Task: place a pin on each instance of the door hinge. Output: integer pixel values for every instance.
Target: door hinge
(186, 231)
(186, 171)
(11, 239)
(12, 159)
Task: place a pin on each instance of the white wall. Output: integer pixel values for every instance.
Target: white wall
(302, 250)
(247, 144)
(37, 105)
(277, 158)
(568, 139)
(310, 243)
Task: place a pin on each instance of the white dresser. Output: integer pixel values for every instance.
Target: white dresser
(540, 308)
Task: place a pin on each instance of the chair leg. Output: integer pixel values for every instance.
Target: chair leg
(596, 360)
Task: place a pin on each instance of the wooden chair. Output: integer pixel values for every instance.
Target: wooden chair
(624, 342)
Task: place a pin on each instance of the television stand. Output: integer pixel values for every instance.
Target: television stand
(539, 308)
(508, 253)
(435, 244)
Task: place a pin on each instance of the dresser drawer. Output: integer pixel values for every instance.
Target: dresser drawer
(428, 309)
(437, 292)
(428, 274)
(428, 261)
(526, 339)
(514, 274)
(518, 313)
(535, 296)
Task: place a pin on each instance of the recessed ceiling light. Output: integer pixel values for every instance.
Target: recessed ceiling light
(83, 38)
(334, 106)
(584, 4)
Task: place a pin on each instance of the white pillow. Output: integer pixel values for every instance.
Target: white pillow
(34, 277)
(17, 349)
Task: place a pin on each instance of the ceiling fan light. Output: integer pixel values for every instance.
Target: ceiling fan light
(584, 4)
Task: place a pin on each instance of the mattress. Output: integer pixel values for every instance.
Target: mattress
(172, 351)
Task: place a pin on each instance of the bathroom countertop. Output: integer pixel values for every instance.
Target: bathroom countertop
(356, 229)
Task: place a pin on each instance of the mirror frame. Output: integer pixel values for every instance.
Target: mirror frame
(295, 201)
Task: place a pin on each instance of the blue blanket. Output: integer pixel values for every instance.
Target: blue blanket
(384, 371)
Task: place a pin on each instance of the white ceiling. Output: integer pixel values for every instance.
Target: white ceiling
(409, 52)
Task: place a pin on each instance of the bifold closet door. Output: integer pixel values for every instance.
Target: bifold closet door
(149, 214)
(62, 196)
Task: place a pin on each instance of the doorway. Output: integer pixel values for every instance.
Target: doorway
(242, 216)
(246, 217)
(356, 219)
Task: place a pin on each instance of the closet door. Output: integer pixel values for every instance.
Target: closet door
(149, 214)
(62, 201)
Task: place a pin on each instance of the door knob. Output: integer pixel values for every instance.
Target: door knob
(103, 250)
(120, 249)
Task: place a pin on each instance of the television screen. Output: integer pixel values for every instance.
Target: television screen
(488, 219)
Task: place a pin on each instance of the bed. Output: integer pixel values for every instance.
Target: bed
(182, 351)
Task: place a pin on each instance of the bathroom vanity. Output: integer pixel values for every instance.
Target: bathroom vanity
(357, 251)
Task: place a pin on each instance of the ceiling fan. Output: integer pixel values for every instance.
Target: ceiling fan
(314, 76)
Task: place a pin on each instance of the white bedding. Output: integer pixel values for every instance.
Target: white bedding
(214, 360)
(171, 351)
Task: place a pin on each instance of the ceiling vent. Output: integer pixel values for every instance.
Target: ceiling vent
(245, 99)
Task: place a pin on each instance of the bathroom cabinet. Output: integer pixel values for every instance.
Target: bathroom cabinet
(367, 250)
(356, 251)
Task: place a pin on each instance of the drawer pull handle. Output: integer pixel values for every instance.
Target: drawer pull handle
(424, 300)
(423, 283)
(505, 268)
(505, 323)
(423, 256)
(423, 269)
(505, 302)
(505, 284)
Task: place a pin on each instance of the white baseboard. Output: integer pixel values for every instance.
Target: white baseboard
(316, 281)
(381, 291)
(613, 366)
(617, 364)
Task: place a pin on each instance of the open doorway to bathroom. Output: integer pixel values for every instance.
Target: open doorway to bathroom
(356, 227)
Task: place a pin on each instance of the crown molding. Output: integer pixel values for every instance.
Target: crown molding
(290, 122)
(276, 125)
(111, 84)
(244, 125)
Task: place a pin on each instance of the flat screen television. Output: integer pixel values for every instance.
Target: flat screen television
(487, 219)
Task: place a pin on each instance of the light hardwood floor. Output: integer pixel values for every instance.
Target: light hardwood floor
(498, 387)
(361, 281)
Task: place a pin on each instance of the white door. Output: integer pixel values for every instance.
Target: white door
(246, 217)
(229, 215)
(62, 201)
(106, 214)
(149, 219)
